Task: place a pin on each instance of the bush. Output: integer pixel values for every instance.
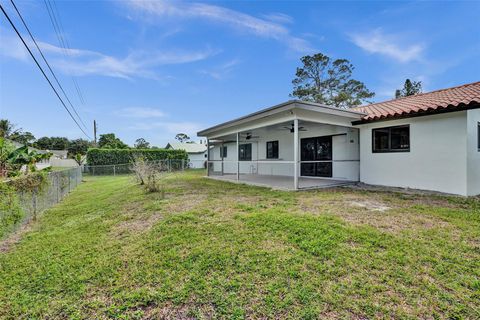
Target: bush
(98, 157)
(10, 212)
(149, 174)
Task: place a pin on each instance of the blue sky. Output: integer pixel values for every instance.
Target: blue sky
(152, 69)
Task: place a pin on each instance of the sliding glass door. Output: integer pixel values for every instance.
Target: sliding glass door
(316, 156)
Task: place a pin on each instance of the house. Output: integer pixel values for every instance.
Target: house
(45, 163)
(197, 152)
(59, 158)
(429, 141)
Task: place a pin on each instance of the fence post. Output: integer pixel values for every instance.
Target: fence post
(114, 170)
(169, 165)
(57, 184)
(34, 203)
(183, 164)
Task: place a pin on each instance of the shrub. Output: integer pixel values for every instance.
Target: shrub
(10, 211)
(149, 174)
(98, 157)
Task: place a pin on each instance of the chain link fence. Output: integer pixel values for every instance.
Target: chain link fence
(168, 165)
(32, 203)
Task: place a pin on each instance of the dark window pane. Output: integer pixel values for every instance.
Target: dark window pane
(324, 148)
(272, 150)
(400, 138)
(478, 138)
(308, 149)
(391, 139)
(223, 151)
(307, 169)
(245, 152)
(324, 169)
(380, 139)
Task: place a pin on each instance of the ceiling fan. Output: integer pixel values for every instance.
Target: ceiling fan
(248, 136)
(292, 128)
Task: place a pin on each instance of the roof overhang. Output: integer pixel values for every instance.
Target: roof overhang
(421, 113)
(280, 108)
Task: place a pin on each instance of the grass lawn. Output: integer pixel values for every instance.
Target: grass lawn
(212, 249)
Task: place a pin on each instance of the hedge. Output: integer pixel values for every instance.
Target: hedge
(98, 157)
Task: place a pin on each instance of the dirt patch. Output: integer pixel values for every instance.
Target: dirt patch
(370, 205)
(13, 238)
(137, 225)
(183, 202)
(180, 312)
(392, 221)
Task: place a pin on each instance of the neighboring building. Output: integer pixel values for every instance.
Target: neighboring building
(59, 154)
(59, 158)
(197, 152)
(427, 141)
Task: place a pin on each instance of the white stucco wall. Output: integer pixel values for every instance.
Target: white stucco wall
(437, 159)
(473, 154)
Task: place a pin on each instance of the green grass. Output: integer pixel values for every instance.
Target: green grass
(220, 250)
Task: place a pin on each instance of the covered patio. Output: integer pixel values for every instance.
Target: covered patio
(292, 146)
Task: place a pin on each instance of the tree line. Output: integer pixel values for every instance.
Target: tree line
(10, 131)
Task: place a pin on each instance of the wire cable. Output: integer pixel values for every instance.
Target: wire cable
(56, 20)
(41, 69)
(48, 65)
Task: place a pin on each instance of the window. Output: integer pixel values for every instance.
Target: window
(391, 139)
(223, 152)
(272, 150)
(478, 136)
(245, 152)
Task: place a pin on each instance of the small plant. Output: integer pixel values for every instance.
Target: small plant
(10, 211)
(149, 174)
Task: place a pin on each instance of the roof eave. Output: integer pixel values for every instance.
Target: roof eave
(285, 106)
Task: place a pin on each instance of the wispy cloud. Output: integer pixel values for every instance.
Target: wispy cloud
(376, 41)
(222, 71)
(272, 27)
(140, 112)
(168, 128)
(278, 17)
(80, 62)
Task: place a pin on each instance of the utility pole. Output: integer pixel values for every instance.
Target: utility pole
(95, 132)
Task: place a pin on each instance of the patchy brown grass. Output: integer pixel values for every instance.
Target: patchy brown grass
(215, 250)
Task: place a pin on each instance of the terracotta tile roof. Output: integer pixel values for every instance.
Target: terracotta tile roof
(456, 97)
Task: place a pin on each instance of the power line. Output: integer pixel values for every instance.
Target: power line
(48, 65)
(56, 20)
(43, 72)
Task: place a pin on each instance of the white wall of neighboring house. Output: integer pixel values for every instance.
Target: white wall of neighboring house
(473, 153)
(197, 160)
(437, 159)
(63, 163)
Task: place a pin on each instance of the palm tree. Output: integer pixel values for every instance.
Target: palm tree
(7, 129)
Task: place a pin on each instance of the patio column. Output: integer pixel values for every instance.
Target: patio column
(221, 153)
(295, 154)
(238, 157)
(208, 157)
